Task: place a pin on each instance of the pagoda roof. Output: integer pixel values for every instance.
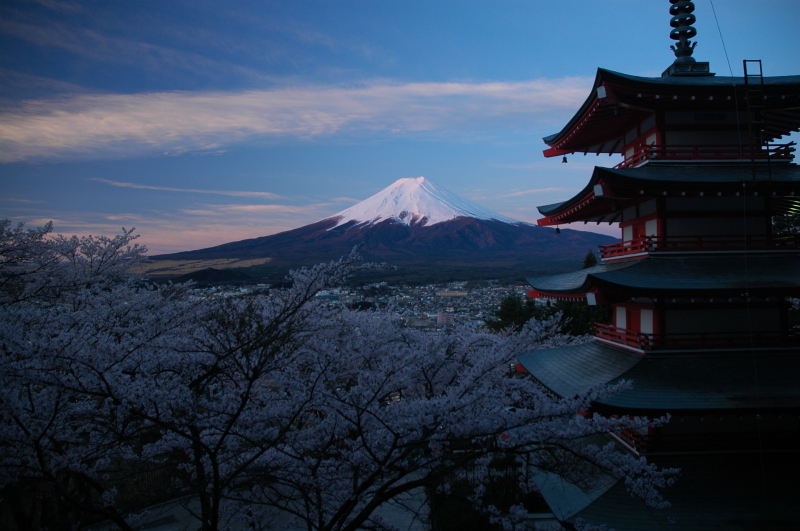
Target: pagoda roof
(731, 491)
(671, 382)
(624, 101)
(680, 276)
(607, 185)
(575, 282)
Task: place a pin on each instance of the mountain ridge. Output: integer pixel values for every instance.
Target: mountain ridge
(413, 223)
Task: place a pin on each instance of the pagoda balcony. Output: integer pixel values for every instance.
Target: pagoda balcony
(686, 341)
(645, 153)
(678, 244)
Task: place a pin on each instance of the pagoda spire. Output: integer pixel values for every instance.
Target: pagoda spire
(682, 31)
(682, 20)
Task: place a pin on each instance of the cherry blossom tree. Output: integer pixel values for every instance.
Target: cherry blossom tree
(391, 409)
(64, 303)
(257, 406)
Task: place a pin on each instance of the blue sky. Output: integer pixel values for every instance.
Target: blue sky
(205, 122)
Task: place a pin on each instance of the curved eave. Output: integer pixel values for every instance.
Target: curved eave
(690, 276)
(596, 202)
(574, 283)
(564, 211)
(559, 369)
(580, 296)
(654, 177)
(669, 382)
(552, 140)
(588, 207)
(625, 101)
(588, 128)
(680, 383)
(697, 276)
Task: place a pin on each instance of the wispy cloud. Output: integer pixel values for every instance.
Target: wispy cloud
(183, 230)
(200, 212)
(232, 193)
(254, 213)
(96, 45)
(17, 85)
(537, 191)
(344, 200)
(60, 6)
(124, 124)
(124, 217)
(26, 201)
(265, 208)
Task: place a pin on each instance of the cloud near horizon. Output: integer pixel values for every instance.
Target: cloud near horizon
(288, 209)
(232, 193)
(127, 124)
(186, 229)
(536, 191)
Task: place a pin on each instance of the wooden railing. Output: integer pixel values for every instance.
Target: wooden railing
(652, 244)
(711, 340)
(636, 440)
(717, 153)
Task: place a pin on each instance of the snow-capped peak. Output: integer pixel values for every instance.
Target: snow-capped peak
(415, 200)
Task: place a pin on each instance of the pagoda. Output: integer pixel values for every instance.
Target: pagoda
(700, 289)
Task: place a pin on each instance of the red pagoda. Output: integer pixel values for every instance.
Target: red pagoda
(699, 287)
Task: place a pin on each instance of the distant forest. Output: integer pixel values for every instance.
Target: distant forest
(403, 275)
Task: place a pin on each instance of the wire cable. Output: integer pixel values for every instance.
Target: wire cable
(720, 37)
(746, 269)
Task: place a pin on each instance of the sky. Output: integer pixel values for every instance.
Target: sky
(201, 123)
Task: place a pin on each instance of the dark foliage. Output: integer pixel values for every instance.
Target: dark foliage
(211, 276)
(362, 306)
(514, 312)
(590, 260)
(422, 273)
(454, 511)
(576, 316)
(786, 224)
(476, 284)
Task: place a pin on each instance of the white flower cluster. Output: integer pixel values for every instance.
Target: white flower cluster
(254, 405)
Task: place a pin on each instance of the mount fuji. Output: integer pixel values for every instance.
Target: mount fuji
(412, 201)
(415, 223)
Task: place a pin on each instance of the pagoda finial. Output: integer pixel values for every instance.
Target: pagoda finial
(682, 20)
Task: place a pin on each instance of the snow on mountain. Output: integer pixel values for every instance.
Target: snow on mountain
(416, 200)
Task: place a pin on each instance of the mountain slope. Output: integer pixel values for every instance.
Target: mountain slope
(413, 221)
